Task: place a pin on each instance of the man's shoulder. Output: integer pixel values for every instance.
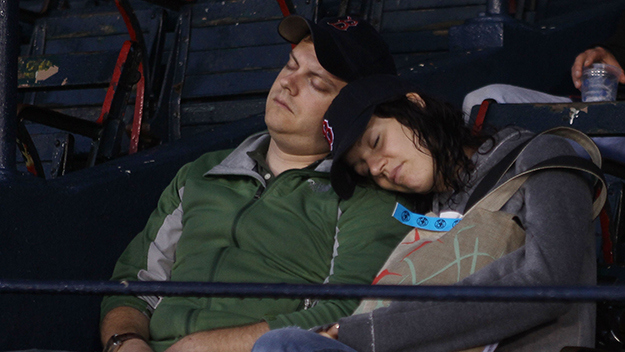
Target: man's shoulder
(372, 196)
(370, 210)
(226, 157)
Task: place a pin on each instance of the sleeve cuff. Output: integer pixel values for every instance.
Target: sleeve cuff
(357, 332)
(111, 302)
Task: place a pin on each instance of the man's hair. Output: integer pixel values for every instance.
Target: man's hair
(440, 128)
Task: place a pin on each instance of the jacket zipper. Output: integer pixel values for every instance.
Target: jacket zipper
(256, 197)
(261, 190)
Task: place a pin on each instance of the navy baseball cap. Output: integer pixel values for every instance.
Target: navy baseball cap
(347, 47)
(347, 118)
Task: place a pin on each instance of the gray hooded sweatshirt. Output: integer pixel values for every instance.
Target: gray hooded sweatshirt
(555, 209)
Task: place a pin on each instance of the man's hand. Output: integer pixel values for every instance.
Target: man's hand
(331, 333)
(238, 339)
(590, 57)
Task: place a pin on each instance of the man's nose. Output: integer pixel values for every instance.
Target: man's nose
(290, 82)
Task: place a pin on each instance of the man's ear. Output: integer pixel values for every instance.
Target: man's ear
(415, 98)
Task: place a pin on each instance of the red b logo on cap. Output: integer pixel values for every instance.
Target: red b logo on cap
(328, 133)
(343, 25)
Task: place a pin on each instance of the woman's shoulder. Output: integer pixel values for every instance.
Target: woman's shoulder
(504, 141)
(497, 148)
(536, 148)
(546, 146)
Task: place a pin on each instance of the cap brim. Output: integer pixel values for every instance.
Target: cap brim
(341, 175)
(294, 28)
(357, 128)
(342, 179)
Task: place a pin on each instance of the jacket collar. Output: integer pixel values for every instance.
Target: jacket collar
(240, 163)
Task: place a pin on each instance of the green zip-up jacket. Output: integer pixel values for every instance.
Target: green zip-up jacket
(218, 221)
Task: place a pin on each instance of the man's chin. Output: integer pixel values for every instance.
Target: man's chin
(278, 119)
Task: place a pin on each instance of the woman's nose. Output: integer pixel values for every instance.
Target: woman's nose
(376, 166)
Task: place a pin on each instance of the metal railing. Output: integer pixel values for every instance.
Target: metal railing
(216, 289)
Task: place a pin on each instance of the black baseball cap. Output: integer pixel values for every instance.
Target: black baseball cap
(348, 47)
(347, 119)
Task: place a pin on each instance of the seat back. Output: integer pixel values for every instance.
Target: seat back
(412, 26)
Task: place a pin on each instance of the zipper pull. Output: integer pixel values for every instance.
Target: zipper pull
(259, 192)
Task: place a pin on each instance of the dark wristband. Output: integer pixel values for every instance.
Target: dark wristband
(118, 339)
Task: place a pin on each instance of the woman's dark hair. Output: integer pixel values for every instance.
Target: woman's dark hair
(440, 128)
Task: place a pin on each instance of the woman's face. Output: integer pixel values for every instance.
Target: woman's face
(387, 154)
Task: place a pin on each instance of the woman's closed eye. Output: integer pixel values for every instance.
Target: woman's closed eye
(376, 142)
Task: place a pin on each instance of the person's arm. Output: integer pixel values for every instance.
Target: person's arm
(556, 214)
(123, 320)
(122, 314)
(236, 339)
(616, 43)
